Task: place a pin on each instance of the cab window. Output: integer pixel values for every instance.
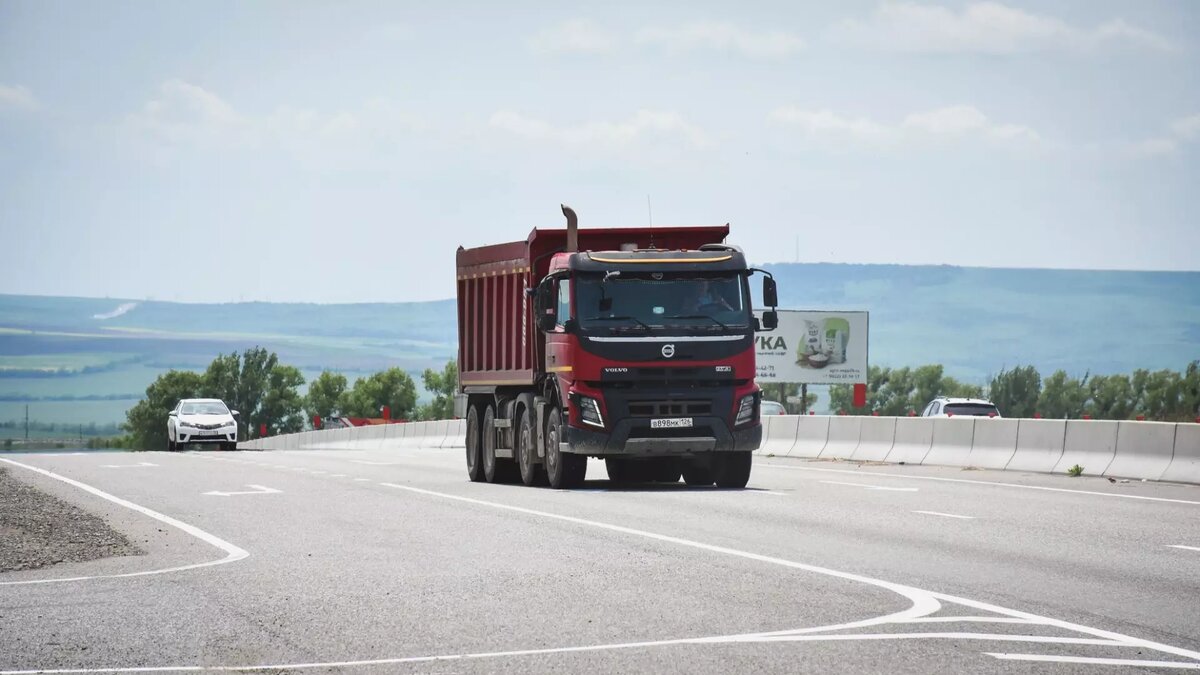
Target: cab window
(564, 301)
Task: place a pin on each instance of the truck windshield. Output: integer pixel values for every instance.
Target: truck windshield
(642, 302)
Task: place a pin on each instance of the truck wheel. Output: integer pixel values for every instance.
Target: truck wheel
(667, 469)
(618, 470)
(696, 473)
(531, 473)
(494, 470)
(564, 469)
(732, 469)
(474, 458)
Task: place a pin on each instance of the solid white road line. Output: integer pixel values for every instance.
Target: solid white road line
(872, 487)
(1186, 548)
(126, 466)
(978, 482)
(258, 490)
(233, 553)
(945, 515)
(1050, 658)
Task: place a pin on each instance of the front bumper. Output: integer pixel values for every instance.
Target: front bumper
(633, 437)
(198, 436)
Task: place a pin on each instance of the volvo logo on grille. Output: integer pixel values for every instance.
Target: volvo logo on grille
(668, 351)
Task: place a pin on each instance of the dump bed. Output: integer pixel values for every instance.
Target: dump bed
(498, 343)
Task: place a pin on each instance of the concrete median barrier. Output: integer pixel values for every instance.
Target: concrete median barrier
(952, 438)
(1090, 444)
(994, 443)
(1039, 445)
(914, 437)
(875, 439)
(812, 433)
(779, 434)
(441, 429)
(456, 434)
(1185, 463)
(392, 433)
(1144, 450)
(844, 432)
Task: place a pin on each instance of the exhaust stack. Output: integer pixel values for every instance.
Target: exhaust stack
(572, 228)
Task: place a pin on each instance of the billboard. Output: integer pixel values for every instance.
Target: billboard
(814, 347)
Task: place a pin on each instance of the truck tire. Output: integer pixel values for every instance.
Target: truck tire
(696, 473)
(732, 469)
(531, 472)
(564, 469)
(473, 440)
(618, 470)
(667, 469)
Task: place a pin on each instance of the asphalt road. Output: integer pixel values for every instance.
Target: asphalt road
(391, 561)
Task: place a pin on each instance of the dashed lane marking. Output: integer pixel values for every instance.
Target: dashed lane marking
(872, 487)
(945, 515)
(1186, 548)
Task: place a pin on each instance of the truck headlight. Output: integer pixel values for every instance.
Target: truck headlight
(745, 413)
(589, 411)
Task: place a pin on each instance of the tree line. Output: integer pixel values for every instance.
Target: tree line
(1162, 395)
(267, 392)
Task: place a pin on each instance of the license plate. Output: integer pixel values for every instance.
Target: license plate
(671, 423)
(207, 433)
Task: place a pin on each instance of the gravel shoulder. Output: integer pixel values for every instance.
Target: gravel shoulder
(39, 530)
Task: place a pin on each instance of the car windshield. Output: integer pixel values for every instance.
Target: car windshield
(974, 409)
(646, 301)
(204, 408)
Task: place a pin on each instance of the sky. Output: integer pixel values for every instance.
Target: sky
(341, 152)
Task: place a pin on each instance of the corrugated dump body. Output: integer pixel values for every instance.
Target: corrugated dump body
(498, 344)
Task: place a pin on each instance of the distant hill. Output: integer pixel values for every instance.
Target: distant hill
(974, 320)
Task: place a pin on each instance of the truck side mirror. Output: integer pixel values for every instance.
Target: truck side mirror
(770, 294)
(546, 305)
(770, 320)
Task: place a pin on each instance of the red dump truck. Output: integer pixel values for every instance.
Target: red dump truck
(634, 345)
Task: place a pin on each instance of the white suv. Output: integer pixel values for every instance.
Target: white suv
(202, 420)
(944, 406)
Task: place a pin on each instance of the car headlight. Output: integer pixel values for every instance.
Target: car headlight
(188, 425)
(589, 411)
(745, 413)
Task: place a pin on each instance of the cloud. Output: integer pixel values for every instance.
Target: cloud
(963, 120)
(983, 28)
(646, 126)
(17, 97)
(951, 122)
(182, 113)
(719, 36)
(580, 36)
(826, 122)
(1187, 128)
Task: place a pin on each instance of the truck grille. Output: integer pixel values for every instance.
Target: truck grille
(669, 408)
(693, 432)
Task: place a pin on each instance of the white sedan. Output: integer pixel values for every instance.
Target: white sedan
(202, 420)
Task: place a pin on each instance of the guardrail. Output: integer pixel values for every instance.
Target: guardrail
(1149, 450)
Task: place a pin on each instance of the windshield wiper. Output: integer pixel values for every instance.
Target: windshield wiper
(700, 316)
(619, 318)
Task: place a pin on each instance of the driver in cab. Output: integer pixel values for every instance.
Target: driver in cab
(706, 297)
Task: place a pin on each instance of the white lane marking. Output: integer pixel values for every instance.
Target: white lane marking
(772, 493)
(588, 648)
(337, 475)
(979, 482)
(258, 490)
(1050, 658)
(965, 619)
(871, 487)
(127, 466)
(945, 515)
(923, 602)
(371, 463)
(360, 480)
(233, 553)
(1186, 548)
